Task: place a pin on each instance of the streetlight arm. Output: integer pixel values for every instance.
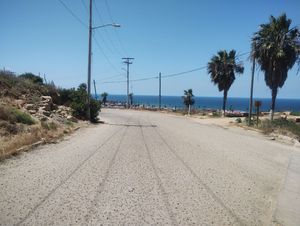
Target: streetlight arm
(107, 25)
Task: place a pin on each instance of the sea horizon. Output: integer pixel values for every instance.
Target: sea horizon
(202, 102)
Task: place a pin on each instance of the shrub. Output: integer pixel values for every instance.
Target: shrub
(295, 113)
(49, 126)
(95, 108)
(23, 117)
(238, 120)
(9, 128)
(78, 103)
(281, 125)
(14, 115)
(65, 96)
(32, 77)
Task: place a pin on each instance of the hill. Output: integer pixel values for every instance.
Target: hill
(32, 111)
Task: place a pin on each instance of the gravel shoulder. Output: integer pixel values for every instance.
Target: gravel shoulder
(142, 168)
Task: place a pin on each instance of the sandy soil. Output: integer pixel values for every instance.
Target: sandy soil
(142, 168)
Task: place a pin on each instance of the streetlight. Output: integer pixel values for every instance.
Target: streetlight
(107, 25)
(88, 113)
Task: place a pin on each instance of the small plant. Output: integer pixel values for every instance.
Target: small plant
(216, 114)
(14, 115)
(238, 120)
(49, 126)
(295, 113)
(283, 126)
(68, 123)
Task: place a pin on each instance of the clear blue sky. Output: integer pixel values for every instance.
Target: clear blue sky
(167, 36)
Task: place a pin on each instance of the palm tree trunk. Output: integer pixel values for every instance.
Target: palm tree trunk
(224, 101)
(274, 94)
(189, 112)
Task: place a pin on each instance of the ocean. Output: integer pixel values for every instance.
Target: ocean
(233, 103)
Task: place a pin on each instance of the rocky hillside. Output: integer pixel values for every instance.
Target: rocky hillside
(33, 112)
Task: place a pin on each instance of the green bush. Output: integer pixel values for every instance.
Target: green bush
(32, 77)
(95, 108)
(78, 103)
(14, 115)
(23, 117)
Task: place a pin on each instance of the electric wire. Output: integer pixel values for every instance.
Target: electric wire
(116, 32)
(85, 6)
(116, 51)
(73, 14)
(169, 75)
(105, 56)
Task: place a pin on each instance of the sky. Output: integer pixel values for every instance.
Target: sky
(167, 36)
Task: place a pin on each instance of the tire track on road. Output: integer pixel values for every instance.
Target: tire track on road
(159, 182)
(52, 191)
(103, 182)
(207, 188)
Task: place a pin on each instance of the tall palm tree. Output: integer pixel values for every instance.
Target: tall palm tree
(222, 68)
(104, 97)
(276, 48)
(188, 99)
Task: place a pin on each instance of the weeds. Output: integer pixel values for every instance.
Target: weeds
(282, 126)
(295, 113)
(49, 125)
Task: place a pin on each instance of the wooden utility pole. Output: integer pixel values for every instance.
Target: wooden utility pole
(251, 93)
(88, 113)
(159, 92)
(127, 61)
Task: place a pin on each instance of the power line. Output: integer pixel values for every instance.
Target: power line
(116, 32)
(110, 77)
(107, 59)
(170, 75)
(73, 14)
(107, 34)
(85, 6)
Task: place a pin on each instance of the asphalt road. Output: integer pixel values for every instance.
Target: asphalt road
(144, 168)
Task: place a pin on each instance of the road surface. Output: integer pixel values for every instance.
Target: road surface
(145, 168)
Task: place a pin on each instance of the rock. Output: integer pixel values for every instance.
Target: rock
(32, 112)
(29, 107)
(46, 98)
(47, 113)
(20, 103)
(71, 118)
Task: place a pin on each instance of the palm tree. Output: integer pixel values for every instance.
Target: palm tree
(276, 48)
(188, 99)
(104, 97)
(222, 68)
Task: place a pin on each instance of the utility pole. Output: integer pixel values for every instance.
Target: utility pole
(251, 93)
(159, 92)
(95, 89)
(127, 61)
(88, 113)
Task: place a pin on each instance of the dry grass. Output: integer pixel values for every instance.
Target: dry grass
(48, 132)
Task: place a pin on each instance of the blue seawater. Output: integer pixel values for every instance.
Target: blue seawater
(233, 103)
